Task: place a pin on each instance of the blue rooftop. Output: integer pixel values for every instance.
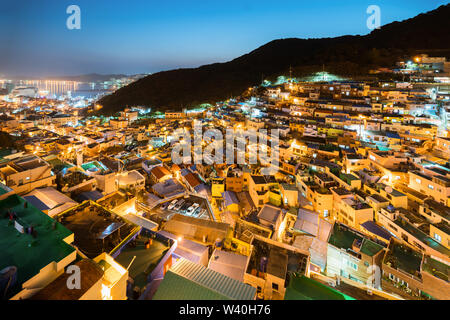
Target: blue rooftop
(372, 227)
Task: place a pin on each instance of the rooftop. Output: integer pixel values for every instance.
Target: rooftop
(425, 238)
(22, 250)
(58, 290)
(244, 231)
(145, 259)
(275, 259)
(168, 188)
(230, 264)
(196, 229)
(195, 282)
(403, 257)
(94, 167)
(343, 237)
(72, 179)
(269, 213)
(436, 268)
(438, 208)
(96, 229)
(27, 162)
(304, 288)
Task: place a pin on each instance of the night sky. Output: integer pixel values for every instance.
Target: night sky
(148, 36)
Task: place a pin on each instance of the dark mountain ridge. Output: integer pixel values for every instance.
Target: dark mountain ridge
(345, 55)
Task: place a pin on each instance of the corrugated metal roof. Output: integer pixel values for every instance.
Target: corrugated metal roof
(191, 281)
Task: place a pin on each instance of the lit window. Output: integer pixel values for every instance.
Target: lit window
(431, 187)
(418, 181)
(352, 265)
(437, 237)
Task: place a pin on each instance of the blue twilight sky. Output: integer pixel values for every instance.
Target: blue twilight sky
(140, 36)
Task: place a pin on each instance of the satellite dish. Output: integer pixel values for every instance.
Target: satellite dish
(388, 189)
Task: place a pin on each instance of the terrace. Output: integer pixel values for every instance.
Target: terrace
(30, 253)
(343, 237)
(142, 255)
(438, 208)
(317, 188)
(57, 164)
(96, 229)
(27, 163)
(436, 268)
(341, 191)
(420, 235)
(267, 258)
(347, 177)
(303, 288)
(94, 167)
(404, 259)
(113, 201)
(72, 179)
(356, 204)
(245, 231)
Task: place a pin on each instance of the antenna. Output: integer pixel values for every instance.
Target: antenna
(131, 262)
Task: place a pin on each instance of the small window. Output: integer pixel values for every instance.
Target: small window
(275, 286)
(437, 237)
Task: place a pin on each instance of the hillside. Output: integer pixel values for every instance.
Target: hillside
(346, 55)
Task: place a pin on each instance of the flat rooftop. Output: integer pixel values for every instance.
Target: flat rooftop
(94, 167)
(96, 229)
(72, 179)
(343, 237)
(438, 208)
(57, 164)
(402, 257)
(303, 288)
(58, 290)
(244, 230)
(27, 163)
(27, 253)
(425, 238)
(436, 268)
(195, 282)
(279, 260)
(146, 259)
(269, 213)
